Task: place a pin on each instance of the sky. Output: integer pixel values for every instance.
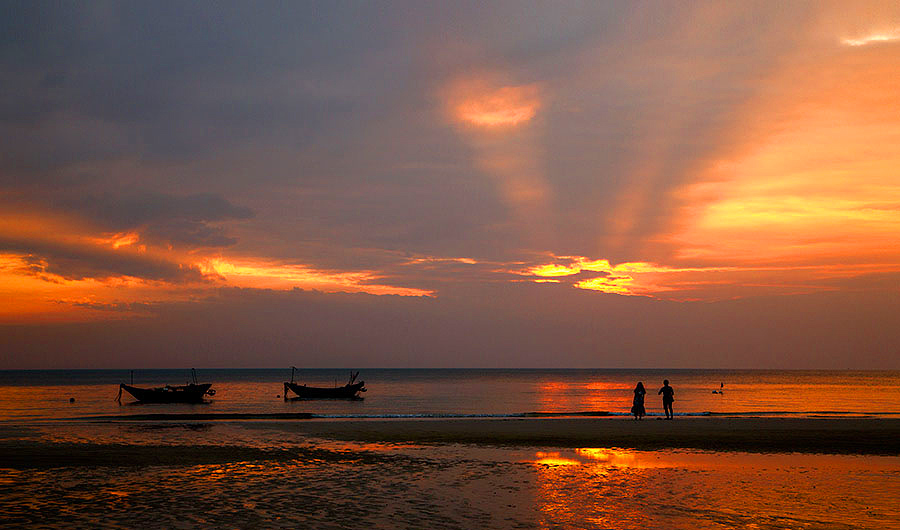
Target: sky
(450, 184)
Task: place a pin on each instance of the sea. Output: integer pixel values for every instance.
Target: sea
(37, 395)
(72, 456)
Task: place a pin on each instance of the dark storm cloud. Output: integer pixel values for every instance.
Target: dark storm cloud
(160, 218)
(47, 260)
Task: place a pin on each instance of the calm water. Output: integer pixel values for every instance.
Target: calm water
(45, 394)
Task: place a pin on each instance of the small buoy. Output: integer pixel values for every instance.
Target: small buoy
(71, 400)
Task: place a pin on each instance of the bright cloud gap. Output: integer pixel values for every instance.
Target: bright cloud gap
(888, 36)
(268, 275)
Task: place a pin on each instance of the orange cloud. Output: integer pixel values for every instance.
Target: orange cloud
(821, 189)
(632, 279)
(42, 297)
(884, 36)
(122, 239)
(58, 268)
(264, 274)
(480, 104)
(497, 119)
(698, 283)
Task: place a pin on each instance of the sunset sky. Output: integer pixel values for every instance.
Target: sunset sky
(443, 184)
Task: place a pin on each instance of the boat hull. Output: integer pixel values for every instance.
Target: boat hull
(169, 394)
(312, 392)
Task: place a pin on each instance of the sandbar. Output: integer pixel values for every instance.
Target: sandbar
(875, 436)
(21, 449)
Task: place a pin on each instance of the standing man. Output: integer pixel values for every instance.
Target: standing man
(668, 394)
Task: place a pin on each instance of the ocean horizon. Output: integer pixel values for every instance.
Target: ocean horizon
(458, 392)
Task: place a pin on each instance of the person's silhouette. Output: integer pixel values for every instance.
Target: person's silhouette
(668, 394)
(637, 407)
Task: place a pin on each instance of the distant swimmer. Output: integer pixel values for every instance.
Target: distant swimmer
(668, 394)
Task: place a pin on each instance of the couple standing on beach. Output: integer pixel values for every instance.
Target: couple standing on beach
(668, 394)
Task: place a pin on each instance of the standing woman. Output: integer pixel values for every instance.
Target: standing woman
(637, 408)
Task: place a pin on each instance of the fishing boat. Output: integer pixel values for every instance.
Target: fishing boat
(189, 393)
(349, 391)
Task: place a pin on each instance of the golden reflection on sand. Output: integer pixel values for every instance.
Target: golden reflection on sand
(611, 457)
(554, 459)
(618, 488)
(615, 457)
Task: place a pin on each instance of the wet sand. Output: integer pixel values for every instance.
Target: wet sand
(807, 435)
(861, 436)
(40, 455)
(452, 474)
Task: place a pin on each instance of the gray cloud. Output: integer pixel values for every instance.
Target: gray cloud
(79, 262)
(128, 211)
(186, 221)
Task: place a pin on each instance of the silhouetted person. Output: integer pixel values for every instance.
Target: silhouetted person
(637, 407)
(668, 394)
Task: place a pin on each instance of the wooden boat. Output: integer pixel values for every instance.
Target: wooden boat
(349, 391)
(189, 393)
